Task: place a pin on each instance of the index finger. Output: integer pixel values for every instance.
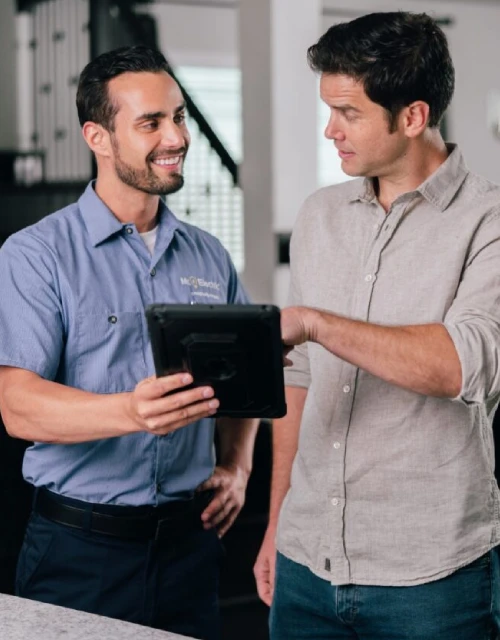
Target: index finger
(158, 387)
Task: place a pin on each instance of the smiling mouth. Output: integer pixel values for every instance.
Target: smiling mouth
(170, 162)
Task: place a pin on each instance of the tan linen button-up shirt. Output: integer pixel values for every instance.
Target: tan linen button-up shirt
(390, 487)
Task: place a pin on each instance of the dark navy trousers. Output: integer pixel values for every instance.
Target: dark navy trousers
(161, 584)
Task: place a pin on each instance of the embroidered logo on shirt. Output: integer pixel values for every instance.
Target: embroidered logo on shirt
(200, 283)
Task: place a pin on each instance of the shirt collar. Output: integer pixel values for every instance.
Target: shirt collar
(101, 223)
(439, 189)
(442, 186)
(363, 190)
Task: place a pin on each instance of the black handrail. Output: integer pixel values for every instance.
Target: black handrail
(142, 37)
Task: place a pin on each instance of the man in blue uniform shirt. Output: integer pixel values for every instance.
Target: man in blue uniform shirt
(128, 510)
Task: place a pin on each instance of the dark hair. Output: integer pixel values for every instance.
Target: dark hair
(92, 98)
(399, 57)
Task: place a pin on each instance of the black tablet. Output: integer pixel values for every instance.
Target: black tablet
(236, 349)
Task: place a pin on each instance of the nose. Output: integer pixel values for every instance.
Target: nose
(172, 135)
(333, 130)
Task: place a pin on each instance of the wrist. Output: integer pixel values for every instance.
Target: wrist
(129, 422)
(272, 525)
(239, 467)
(311, 319)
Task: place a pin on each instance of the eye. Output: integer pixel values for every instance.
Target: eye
(151, 125)
(350, 115)
(180, 118)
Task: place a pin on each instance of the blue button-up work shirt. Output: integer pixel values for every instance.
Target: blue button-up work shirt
(73, 289)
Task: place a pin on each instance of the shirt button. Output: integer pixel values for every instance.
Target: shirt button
(152, 272)
(346, 388)
(113, 319)
(336, 445)
(369, 277)
(335, 502)
(129, 230)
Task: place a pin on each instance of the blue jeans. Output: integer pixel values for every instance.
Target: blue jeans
(153, 583)
(462, 606)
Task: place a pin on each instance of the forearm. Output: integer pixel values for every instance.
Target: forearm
(42, 411)
(285, 445)
(421, 358)
(236, 441)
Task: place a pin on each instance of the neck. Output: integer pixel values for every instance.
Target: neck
(423, 157)
(127, 204)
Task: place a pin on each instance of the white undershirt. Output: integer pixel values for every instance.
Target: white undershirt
(149, 238)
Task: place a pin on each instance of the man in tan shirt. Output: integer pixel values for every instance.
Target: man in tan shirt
(385, 511)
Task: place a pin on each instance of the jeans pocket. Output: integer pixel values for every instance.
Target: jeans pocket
(36, 545)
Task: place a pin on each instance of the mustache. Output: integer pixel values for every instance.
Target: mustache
(167, 153)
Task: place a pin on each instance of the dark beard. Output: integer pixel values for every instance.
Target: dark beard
(146, 180)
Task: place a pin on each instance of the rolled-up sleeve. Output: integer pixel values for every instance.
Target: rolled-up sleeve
(298, 374)
(31, 326)
(473, 319)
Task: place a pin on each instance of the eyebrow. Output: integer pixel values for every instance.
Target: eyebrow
(157, 115)
(345, 107)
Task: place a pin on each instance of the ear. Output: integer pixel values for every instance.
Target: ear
(97, 138)
(415, 118)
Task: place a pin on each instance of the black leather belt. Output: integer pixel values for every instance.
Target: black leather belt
(172, 520)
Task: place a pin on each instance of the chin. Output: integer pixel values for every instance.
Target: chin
(352, 172)
(173, 186)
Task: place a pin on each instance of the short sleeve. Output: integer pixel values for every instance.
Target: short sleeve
(31, 326)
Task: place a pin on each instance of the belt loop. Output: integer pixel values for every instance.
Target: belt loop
(87, 518)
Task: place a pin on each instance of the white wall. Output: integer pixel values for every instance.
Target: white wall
(279, 111)
(195, 35)
(8, 120)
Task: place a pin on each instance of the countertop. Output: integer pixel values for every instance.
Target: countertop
(22, 619)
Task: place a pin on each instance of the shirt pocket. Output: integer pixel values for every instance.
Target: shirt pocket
(110, 351)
